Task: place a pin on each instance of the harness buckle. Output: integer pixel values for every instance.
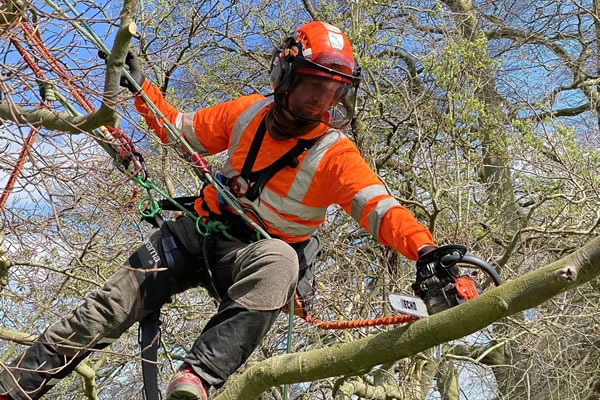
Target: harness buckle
(239, 185)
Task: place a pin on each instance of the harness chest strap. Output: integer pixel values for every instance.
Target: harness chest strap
(250, 184)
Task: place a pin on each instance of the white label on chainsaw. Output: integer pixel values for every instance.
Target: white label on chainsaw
(405, 304)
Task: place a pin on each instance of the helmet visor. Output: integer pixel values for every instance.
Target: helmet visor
(321, 94)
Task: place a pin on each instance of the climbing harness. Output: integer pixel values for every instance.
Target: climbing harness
(250, 184)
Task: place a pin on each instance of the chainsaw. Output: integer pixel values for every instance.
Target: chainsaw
(440, 284)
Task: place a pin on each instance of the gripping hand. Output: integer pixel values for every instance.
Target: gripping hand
(132, 65)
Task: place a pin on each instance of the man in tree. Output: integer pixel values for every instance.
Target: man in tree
(287, 162)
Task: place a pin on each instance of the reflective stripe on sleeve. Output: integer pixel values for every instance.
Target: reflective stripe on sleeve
(185, 123)
(243, 121)
(376, 216)
(363, 197)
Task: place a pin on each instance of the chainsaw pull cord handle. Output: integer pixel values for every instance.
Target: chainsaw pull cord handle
(452, 259)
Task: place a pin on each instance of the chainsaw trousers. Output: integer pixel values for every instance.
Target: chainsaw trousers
(252, 280)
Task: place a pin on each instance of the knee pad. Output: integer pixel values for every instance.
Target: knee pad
(286, 262)
(265, 275)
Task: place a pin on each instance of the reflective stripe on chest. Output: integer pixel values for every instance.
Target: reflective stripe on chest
(281, 201)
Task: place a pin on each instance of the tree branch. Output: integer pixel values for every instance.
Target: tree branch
(105, 115)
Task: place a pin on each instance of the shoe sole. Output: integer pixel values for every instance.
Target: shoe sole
(185, 392)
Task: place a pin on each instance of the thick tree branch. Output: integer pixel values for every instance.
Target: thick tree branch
(514, 296)
(366, 391)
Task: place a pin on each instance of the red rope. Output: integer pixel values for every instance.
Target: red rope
(349, 324)
(34, 67)
(18, 167)
(31, 136)
(126, 147)
(41, 48)
(360, 323)
(126, 144)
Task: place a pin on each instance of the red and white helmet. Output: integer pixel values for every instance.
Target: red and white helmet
(322, 50)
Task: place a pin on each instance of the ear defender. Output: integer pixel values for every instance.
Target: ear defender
(281, 62)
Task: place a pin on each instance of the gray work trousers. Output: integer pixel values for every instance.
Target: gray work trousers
(253, 280)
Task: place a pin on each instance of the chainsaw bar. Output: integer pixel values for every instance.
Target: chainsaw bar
(406, 304)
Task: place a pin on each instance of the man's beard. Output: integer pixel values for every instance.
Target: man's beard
(286, 128)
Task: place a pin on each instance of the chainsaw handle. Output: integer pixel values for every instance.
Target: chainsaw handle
(452, 259)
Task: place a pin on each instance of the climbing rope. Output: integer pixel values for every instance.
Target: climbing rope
(201, 166)
(12, 179)
(31, 136)
(204, 227)
(124, 145)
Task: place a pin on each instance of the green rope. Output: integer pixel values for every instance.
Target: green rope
(150, 211)
(89, 33)
(204, 226)
(47, 90)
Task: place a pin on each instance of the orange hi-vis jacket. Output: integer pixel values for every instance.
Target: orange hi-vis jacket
(294, 202)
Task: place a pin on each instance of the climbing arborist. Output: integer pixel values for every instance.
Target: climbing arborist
(287, 162)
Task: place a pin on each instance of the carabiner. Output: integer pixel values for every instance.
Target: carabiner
(153, 210)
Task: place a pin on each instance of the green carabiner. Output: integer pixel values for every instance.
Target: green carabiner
(154, 207)
(201, 227)
(146, 184)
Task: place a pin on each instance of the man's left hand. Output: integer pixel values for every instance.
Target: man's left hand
(434, 279)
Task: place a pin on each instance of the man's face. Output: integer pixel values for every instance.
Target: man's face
(312, 96)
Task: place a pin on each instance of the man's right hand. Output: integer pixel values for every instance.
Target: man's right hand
(132, 66)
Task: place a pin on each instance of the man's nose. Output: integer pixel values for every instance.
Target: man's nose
(316, 97)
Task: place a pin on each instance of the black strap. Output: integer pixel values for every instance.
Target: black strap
(211, 286)
(290, 159)
(149, 339)
(254, 149)
(258, 179)
(187, 202)
(149, 329)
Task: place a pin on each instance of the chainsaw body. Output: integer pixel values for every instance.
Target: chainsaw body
(440, 285)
